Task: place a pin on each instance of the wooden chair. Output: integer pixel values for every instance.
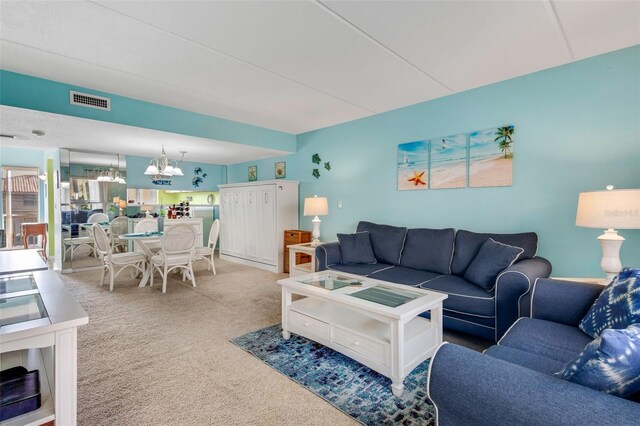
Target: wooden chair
(33, 230)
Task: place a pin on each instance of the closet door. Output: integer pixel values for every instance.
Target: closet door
(237, 237)
(225, 221)
(268, 248)
(252, 223)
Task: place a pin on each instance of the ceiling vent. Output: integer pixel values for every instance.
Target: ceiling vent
(90, 101)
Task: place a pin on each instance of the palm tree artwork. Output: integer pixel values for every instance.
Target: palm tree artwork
(504, 139)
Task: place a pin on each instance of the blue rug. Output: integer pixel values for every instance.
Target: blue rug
(346, 384)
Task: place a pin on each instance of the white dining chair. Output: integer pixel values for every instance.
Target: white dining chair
(176, 253)
(117, 227)
(84, 238)
(112, 261)
(147, 225)
(206, 253)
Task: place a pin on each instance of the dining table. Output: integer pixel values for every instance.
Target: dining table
(142, 240)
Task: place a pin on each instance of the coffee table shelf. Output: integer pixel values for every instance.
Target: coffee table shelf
(390, 340)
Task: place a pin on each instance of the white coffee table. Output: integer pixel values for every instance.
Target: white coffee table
(377, 324)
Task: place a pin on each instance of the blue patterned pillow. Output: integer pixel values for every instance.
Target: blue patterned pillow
(611, 363)
(618, 305)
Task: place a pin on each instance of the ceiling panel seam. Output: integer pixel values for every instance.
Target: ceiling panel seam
(380, 44)
(211, 97)
(240, 60)
(557, 25)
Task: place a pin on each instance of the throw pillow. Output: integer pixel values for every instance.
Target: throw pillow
(611, 363)
(356, 248)
(493, 258)
(618, 305)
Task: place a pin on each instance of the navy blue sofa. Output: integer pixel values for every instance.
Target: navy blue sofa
(436, 259)
(512, 382)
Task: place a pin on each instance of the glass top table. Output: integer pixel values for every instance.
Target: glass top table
(20, 300)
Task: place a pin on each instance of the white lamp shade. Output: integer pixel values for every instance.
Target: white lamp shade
(316, 206)
(177, 171)
(151, 170)
(168, 170)
(619, 208)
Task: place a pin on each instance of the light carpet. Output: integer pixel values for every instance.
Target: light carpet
(148, 358)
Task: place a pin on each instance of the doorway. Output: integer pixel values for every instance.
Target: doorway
(20, 203)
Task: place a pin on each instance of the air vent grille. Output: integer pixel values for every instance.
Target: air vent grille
(90, 101)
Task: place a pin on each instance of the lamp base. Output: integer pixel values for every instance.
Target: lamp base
(316, 232)
(611, 242)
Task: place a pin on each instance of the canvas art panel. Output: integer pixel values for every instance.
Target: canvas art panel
(413, 166)
(448, 166)
(253, 173)
(491, 157)
(280, 170)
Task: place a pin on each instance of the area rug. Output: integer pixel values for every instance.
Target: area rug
(348, 385)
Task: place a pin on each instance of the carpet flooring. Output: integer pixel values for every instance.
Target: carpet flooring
(148, 358)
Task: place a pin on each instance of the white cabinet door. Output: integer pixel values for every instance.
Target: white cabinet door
(252, 221)
(267, 240)
(225, 221)
(237, 222)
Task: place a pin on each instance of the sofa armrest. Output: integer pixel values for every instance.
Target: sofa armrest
(512, 285)
(565, 302)
(328, 254)
(470, 388)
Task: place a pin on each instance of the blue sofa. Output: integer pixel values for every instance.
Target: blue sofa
(436, 259)
(512, 383)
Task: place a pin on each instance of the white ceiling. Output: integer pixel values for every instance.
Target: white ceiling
(63, 131)
(297, 66)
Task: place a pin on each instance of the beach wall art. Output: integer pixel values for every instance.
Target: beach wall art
(491, 157)
(413, 166)
(448, 166)
(483, 158)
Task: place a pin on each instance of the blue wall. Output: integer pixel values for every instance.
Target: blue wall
(23, 91)
(577, 128)
(137, 179)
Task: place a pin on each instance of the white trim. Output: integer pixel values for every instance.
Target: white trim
(453, 249)
(512, 262)
(429, 378)
(329, 267)
(468, 322)
(466, 313)
(507, 332)
(406, 231)
(519, 298)
(533, 292)
(428, 281)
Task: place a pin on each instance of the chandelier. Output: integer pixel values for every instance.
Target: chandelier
(110, 175)
(161, 169)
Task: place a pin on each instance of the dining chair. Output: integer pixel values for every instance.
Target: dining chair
(147, 225)
(206, 253)
(35, 231)
(176, 253)
(112, 261)
(117, 227)
(72, 244)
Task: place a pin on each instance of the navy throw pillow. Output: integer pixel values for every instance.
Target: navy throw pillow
(492, 259)
(618, 305)
(356, 248)
(611, 363)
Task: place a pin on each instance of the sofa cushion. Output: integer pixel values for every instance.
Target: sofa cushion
(550, 339)
(611, 363)
(356, 248)
(493, 258)
(402, 275)
(429, 249)
(530, 360)
(468, 244)
(364, 269)
(387, 241)
(618, 306)
(464, 296)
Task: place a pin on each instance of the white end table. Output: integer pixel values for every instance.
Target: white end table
(301, 268)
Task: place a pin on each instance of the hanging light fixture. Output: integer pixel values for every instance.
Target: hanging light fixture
(161, 169)
(111, 175)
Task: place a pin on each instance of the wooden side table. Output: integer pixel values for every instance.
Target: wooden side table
(34, 229)
(295, 236)
(308, 263)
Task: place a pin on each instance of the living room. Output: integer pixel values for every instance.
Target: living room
(323, 95)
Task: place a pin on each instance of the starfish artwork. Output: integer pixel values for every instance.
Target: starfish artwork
(417, 178)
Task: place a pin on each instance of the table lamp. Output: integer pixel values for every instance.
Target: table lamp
(146, 209)
(316, 206)
(607, 210)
